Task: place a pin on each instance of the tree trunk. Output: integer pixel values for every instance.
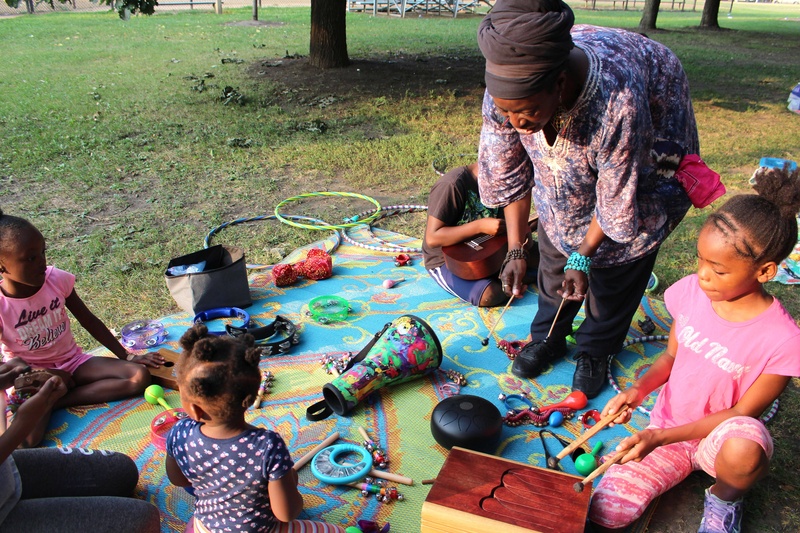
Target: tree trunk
(710, 18)
(255, 10)
(328, 34)
(649, 15)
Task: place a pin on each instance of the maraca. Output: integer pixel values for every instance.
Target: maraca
(389, 283)
(575, 400)
(586, 463)
(155, 394)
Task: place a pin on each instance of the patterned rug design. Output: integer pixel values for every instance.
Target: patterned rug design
(398, 417)
(789, 269)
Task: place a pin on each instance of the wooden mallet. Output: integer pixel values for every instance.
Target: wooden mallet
(485, 342)
(330, 439)
(599, 470)
(552, 462)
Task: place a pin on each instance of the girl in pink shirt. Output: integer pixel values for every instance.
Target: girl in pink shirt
(732, 350)
(35, 329)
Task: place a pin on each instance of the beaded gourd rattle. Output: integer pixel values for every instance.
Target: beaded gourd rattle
(554, 414)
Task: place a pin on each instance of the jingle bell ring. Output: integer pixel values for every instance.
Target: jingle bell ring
(404, 349)
(162, 423)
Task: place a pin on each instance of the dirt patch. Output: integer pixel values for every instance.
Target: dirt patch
(391, 77)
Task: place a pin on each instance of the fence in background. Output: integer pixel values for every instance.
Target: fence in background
(373, 7)
(166, 5)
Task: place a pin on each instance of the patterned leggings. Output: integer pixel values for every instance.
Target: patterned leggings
(626, 490)
(296, 526)
(308, 526)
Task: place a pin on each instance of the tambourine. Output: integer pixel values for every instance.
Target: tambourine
(162, 423)
(326, 467)
(143, 334)
(223, 312)
(281, 324)
(328, 308)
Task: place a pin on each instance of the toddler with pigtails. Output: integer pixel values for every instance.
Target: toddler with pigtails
(732, 350)
(241, 475)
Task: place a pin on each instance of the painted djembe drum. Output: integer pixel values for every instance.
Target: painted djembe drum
(405, 349)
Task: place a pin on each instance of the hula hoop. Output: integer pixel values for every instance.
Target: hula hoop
(322, 226)
(337, 240)
(650, 338)
(387, 211)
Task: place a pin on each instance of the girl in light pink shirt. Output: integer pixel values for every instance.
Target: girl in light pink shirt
(732, 350)
(35, 328)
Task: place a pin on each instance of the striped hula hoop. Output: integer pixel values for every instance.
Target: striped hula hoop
(337, 240)
(766, 417)
(385, 212)
(349, 222)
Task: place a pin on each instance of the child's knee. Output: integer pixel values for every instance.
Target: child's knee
(142, 378)
(741, 456)
(493, 295)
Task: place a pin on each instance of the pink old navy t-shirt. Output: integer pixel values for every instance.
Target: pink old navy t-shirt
(37, 328)
(717, 361)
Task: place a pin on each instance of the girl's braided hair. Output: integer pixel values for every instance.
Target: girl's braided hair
(763, 227)
(11, 227)
(221, 370)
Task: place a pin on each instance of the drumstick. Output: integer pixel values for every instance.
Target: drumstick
(364, 434)
(552, 462)
(599, 470)
(310, 455)
(553, 325)
(397, 478)
(485, 342)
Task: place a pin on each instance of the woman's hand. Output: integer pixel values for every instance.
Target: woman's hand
(151, 359)
(511, 277)
(574, 286)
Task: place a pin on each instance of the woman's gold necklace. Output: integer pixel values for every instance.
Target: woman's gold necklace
(560, 119)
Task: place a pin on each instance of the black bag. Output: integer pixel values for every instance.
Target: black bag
(222, 282)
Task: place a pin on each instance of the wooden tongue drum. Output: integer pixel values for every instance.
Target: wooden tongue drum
(166, 375)
(479, 493)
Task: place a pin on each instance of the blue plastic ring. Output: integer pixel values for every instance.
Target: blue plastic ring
(327, 469)
(222, 312)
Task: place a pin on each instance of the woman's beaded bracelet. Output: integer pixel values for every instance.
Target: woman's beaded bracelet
(579, 262)
(514, 253)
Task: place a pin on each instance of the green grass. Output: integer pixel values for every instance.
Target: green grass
(111, 149)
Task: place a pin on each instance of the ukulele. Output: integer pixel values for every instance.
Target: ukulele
(477, 258)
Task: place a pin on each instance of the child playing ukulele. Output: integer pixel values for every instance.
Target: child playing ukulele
(455, 215)
(732, 350)
(35, 329)
(242, 475)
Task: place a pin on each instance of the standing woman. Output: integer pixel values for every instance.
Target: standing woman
(570, 116)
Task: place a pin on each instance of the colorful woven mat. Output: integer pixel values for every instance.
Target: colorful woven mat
(397, 417)
(789, 269)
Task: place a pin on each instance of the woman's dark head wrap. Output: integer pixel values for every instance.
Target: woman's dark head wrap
(524, 42)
